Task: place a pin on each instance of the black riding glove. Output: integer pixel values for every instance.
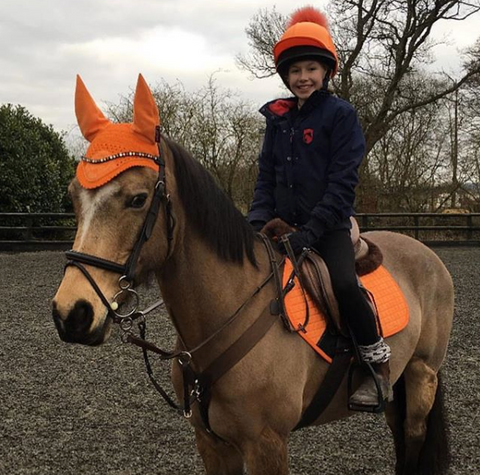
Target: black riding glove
(257, 225)
(299, 240)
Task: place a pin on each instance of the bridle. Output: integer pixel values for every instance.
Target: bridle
(196, 386)
(127, 270)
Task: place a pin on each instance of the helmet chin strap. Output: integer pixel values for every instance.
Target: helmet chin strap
(326, 80)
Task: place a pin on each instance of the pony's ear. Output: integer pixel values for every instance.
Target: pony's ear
(145, 112)
(89, 117)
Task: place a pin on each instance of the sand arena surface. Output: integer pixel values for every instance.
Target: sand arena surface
(72, 410)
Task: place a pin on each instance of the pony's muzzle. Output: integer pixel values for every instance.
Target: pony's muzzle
(76, 326)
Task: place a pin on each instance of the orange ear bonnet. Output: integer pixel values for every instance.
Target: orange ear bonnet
(115, 148)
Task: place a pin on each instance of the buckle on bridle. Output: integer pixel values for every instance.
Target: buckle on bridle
(125, 288)
(184, 358)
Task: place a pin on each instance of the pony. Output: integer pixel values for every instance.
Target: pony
(210, 265)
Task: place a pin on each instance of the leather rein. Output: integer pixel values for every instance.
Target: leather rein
(196, 385)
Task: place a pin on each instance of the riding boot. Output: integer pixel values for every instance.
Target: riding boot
(367, 395)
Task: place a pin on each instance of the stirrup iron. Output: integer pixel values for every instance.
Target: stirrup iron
(381, 400)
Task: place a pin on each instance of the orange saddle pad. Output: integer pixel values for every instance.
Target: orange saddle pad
(389, 299)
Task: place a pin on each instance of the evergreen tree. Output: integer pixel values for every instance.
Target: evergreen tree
(35, 166)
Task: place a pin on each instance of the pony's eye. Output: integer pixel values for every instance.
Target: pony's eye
(138, 201)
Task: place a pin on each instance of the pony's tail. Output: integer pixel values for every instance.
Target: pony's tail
(435, 456)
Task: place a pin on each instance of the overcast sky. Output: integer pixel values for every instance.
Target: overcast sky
(45, 43)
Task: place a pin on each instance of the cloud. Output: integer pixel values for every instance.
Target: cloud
(45, 43)
(165, 48)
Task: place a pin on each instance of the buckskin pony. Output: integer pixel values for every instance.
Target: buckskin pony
(211, 268)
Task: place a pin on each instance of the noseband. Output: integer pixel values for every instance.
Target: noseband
(127, 270)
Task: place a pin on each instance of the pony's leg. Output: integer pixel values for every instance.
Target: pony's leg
(426, 444)
(218, 457)
(268, 455)
(420, 388)
(395, 415)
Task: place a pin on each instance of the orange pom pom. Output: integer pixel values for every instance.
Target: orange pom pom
(308, 14)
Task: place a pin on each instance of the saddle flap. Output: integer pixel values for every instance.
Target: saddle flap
(316, 280)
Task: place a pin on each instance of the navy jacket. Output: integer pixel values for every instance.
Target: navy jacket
(308, 167)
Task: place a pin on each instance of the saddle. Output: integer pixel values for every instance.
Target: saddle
(314, 276)
(310, 309)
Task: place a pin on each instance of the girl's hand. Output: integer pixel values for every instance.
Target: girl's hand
(299, 241)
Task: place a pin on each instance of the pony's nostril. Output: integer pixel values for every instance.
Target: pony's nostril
(79, 319)
(76, 325)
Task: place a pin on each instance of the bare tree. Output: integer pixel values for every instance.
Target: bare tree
(470, 145)
(177, 109)
(408, 163)
(225, 139)
(219, 128)
(263, 31)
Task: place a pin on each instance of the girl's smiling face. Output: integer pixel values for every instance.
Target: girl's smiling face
(304, 77)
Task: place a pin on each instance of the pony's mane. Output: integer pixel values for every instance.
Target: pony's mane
(210, 211)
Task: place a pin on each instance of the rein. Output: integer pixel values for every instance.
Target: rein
(196, 384)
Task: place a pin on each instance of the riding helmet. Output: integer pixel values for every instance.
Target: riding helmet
(307, 36)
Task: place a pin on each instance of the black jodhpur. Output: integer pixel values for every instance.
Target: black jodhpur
(336, 249)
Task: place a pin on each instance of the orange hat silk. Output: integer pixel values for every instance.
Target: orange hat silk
(108, 139)
(307, 27)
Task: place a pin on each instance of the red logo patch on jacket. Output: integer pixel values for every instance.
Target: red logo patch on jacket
(308, 136)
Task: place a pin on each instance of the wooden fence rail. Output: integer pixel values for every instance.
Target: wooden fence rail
(434, 228)
(37, 231)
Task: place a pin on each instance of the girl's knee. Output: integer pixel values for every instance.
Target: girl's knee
(346, 289)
